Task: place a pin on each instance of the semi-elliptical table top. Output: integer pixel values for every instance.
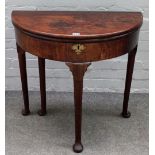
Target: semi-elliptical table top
(76, 25)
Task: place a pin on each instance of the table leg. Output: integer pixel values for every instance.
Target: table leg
(78, 71)
(23, 74)
(41, 63)
(130, 66)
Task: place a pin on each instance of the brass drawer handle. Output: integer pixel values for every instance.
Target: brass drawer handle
(78, 48)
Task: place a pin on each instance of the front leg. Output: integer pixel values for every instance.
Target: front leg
(41, 63)
(23, 75)
(78, 71)
(130, 67)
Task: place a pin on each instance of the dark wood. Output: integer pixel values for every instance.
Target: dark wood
(23, 74)
(77, 38)
(62, 24)
(41, 63)
(78, 71)
(103, 37)
(93, 51)
(130, 67)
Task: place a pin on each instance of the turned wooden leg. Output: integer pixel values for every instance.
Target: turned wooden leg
(41, 63)
(131, 59)
(23, 74)
(78, 71)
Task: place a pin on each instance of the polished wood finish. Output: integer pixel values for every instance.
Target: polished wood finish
(110, 37)
(130, 66)
(23, 74)
(93, 51)
(63, 24)
(78, 71)
(77, 38)
(41, 63)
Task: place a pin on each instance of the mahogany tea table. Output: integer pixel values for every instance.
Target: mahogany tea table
(77, 38)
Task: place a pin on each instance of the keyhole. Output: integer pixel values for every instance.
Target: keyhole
(78, 47)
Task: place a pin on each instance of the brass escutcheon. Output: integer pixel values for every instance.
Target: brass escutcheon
(78, 48)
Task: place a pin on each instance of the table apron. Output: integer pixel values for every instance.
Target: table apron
(61, 51)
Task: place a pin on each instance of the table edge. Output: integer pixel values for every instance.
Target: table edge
(81, 38)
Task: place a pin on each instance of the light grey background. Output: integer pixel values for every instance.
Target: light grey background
(108, 76)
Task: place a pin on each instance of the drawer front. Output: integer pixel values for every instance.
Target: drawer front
(77, 52)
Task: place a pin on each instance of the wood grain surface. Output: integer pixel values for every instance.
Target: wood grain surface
(66, 24)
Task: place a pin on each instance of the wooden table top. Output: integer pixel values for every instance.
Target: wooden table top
(77, 25)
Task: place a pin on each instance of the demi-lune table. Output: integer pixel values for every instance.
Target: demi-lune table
(76, 38)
